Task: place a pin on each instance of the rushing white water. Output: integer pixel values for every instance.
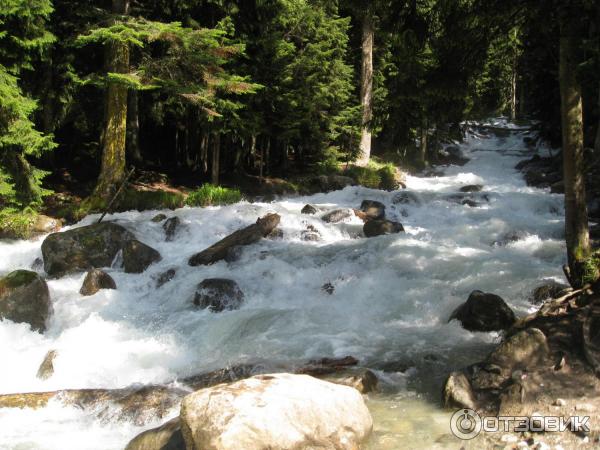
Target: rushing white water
(393, 295)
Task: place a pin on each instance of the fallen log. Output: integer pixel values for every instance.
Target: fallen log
(245, 236)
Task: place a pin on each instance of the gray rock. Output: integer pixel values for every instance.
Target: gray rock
(309, 209)
(166, 437)
(406, 198)
(547, 291)
(170, 226)
(458, 393)
(218, 294)
(374, 228)
(159, 218)
(484, 312)
(24, 298)
(95, 280)
(165, 277)
(46, 369)
(138, 256)
(83, 248)
(46, 224)
(471, 188)
(374, 210)
(337, 215)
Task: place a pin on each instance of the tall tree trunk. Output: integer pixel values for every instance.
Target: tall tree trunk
(366, 89)
(112, 170)
(133, 127)
(513, 88)
(576, 221)
(27, 193)
(597, 142)
(216, 156)
(423, 143)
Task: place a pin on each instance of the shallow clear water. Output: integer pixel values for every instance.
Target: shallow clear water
(393, 295)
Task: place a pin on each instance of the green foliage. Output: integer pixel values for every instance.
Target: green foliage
(365, 176)
(388, 177)
(16, 223)
(132, 199)
(591, 268)
(210, 195)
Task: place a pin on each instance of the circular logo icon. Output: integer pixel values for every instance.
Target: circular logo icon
(465, 424)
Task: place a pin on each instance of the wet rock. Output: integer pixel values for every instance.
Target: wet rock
(95, 280)
(547, 291)
(453, 155)
(245, 236)
(218, 294)
(46, 369)
(374, 228)
(374, 210)
(458, 393)
(363, 380)
(471, 188)
(84, 248)
(45, 224)
(406, 198)
(558, 187)
(159, 218)
(328, 288)
(529, 141)
(470, 203)
(538, 178)
(166, 437)
(309, 209)
(270, 411)
(276, 234)
(171, 226)
(138, 256)
(165, 277)
(24, 298)
(484, 312)
(311, 234)
(37, 264)
(327, 183)
(337, 215)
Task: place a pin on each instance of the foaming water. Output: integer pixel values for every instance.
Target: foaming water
(393, 295)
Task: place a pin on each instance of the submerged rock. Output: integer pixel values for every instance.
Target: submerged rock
(218, 294)
(138, 256)
(484, 312)
(405, 198)
(95, 280)
(159, 218)
(245, 236)
(337, 215)
(24, 298)
(165, 277)
(170, 226)
(279, 411)
(373, 209)
(547, 291)
(309, 209)
(311, 234)
(374, 228)
(166, 437)
(83, 248)
(46, 369)
(471, 188)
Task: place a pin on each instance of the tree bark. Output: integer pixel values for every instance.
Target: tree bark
(423, 143)
(513, 89)
(576, 222)
(112, 170)
(366, 90)
(597, 142)
(133, 127)
(216, 156)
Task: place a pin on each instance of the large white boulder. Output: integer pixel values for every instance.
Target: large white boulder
(280, 411)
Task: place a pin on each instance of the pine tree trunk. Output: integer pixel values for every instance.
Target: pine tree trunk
(133, 127)
(597, 142)
(576, 222)
(27, 193)
(216, 156)
(366, 90)
(112, 170)
(423, 143)
(513, 89)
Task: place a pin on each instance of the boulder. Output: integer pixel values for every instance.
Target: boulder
(24, 298)
(46, 369)
(484, 312)
(138, 256)
(165, 277)
(471, 188)
(523, 350)
(458, 393)
(95, 280)
(166, 437)
(218, 294)
(374, 210)
(374, 228)
(170, 226)
(337, 215)
(159, 218)
(83, 248)
(245, 236)
(327, 183)
(279, 411)
(547, 291)
(309, 209)
(45, 224)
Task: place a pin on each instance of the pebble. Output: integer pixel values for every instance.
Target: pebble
(559, 402)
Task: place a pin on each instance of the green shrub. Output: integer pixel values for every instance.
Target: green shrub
(388, 178)
(16, 224)
(210, 195)
(145, 200)
(591, 268)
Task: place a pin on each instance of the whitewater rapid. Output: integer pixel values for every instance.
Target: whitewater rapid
(393, 295)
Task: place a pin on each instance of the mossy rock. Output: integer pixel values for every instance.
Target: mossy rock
(89, 247)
